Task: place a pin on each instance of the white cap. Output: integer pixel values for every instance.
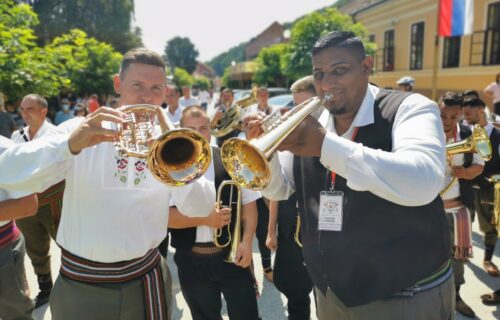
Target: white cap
(406, 80)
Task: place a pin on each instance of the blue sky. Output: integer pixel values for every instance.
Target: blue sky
(214, 25)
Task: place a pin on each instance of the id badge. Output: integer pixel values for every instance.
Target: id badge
(330, 210)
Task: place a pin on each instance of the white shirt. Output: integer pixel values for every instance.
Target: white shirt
(113, 208)
(204, 97)
(183, 102)
(457, 160)
(205, 233)
(494, 88)
(175, 117)
(411, 174)
(4, 194)
(45, 128)
(254, 108)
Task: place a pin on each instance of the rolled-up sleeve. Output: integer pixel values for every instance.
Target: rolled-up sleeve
(411, 174)
(282, 184)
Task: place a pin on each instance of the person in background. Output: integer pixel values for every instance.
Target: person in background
(204, 98)
(173, 109)
(187, 99)
(406, 83)
(93, 103)
(7, 124)
(64, 114)
(492, 91)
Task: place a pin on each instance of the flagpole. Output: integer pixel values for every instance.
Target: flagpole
(436, 55)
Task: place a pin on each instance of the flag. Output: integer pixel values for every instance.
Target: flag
(455, 17)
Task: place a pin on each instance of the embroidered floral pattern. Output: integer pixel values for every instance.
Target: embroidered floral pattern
(121, 169)
(140, 174)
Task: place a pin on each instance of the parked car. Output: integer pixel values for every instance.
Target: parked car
(240, 94)
(284, 101)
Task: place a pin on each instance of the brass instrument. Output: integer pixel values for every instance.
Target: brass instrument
(175, 157)
(231, 119)
(234, 238)
(495, 179)
(478, 142)
(296, 235)
(247, 161)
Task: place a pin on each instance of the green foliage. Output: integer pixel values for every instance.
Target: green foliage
(24, 68)
(106, 20)
(202, 82)
(307, 31)
(181, 53)
(182, 78)
(86, 62)
(270, 62)
(226, 79)
(222, 61)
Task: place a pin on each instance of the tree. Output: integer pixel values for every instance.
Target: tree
(106, 20)
(223, 60)
(88, 64)
(181, 53)
(182, 78)
(24, 68)
(202, 83)
(270, 62)
(307, 30)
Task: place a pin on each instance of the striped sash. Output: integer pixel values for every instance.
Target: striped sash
(147, 268)
(462, 242)
(53, 196)
(8, 234)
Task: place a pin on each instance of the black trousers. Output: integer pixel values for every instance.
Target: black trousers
(290, 274)
(496, 107)
(261, 233)
(204, 277)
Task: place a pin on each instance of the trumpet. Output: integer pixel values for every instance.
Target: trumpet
(231, 120)
(175, 157)
(234, 237)
(247, 162)
(477, 142)
(495, 180)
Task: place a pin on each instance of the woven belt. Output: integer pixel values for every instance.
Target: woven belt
(147, 268)
(8, 234)
(53, 197)
(206, 248)
(436, 279)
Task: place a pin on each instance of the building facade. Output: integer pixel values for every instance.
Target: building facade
(405, 34)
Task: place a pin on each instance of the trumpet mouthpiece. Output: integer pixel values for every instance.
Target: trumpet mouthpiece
(327, 97)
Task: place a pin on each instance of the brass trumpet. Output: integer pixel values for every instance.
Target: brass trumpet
(231, 120)
(495, 180)
(175, 157)
(234, 237)
(247, 161)
(477, 142)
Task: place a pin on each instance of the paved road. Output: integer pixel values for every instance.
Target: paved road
(272, 305)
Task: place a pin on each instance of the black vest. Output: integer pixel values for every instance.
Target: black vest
(184, 239)
(384, 247)
(492, 166)
(466, 194)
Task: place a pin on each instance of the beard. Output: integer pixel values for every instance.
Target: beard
(336, 110)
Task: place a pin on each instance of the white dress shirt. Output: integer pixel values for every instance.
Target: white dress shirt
(4, 194)
(183, 102)
(175, 117)
(44, 129)
(113, 208)
(205, 233)
(457, 160)
(411, 174)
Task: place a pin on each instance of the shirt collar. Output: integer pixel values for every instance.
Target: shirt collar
(364, 116)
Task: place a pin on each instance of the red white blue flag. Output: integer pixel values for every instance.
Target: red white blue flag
(455, 17)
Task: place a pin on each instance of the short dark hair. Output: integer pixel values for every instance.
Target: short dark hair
(175, 88)
(474, 103)
(39, 100)
(450, 99)
(340, 39)
(471, 92)
(141, 55)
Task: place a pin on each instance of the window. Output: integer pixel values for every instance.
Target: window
(451, 52)
(492, 35)
(388, 50)
(417, 46)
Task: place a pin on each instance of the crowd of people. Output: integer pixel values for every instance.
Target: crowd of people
(366, 207)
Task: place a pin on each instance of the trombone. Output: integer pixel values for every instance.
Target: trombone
(247, 162)
(234, 236)
(495, 219)
(175, 157)
(477, 142)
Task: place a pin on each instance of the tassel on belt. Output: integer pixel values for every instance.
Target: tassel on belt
(147, 268)
(8, 234)
(53, 196)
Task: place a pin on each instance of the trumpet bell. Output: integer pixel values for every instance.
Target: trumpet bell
(179, 157)
(246, 163)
